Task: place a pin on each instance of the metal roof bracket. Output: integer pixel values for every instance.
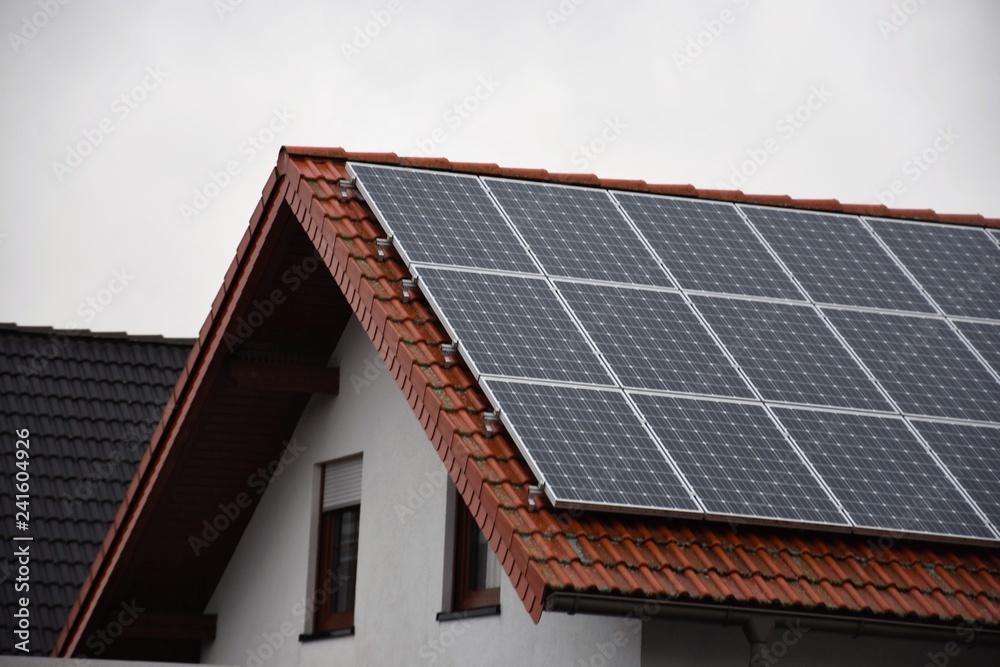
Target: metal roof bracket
(349, 190)
(535, 491)
(409, 286)
(383, 245)
(450, 352)
(492, 422)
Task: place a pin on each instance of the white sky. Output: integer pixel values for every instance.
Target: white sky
(887, 93)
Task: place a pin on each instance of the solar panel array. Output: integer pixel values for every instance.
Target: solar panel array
(697, 358)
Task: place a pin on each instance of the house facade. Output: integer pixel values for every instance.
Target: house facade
(406, 569)
(329, 485)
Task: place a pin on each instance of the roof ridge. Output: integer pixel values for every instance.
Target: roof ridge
(102, 335)
(826, 205)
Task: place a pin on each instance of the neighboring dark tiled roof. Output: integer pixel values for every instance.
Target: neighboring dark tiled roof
(90, 402)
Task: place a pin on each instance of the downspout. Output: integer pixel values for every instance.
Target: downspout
(758, 630)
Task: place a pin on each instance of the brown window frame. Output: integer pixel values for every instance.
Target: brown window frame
(464, 597)
(330, 545)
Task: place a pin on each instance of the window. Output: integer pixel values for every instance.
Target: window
(477, 570)
(337, 562)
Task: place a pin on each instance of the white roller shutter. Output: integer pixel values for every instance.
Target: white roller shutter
(342, 483)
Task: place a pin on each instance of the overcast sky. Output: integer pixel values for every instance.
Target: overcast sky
(116, 115)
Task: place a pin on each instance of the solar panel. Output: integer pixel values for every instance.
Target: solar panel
(881, 474)
(789, 354)
(972, 454)
(577, 232)
(985, 337)
(958, 266)
(653, 340)
(737, 461)
(923, 365)
(512, 326)
(836, 259)
(442, 218)
(708, 246)
(627, 340)
(590, 446)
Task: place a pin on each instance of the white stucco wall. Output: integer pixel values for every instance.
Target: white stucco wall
(401, 562)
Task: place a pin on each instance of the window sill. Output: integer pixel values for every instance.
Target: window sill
(492, 610)
(327, 634)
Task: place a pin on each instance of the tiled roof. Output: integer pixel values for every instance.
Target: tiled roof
(545, 550)
(552, 550)
(90, 402)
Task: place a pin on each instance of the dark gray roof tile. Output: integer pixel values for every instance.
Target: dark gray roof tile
(84, 397)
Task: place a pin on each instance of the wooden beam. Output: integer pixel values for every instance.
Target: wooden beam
(295, 378)
(170, 625)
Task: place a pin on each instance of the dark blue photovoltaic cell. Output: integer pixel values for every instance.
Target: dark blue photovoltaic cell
(577, 232)
(958, 266)
(442, 218)
(512, 325)
(972, 454)
(653, 340)
(736, 460)
(708, 246)
(836, 259)
(590, 446)
(923, 365)
(789, 354)
(985, 337)
(564, 301)
(882, 474)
